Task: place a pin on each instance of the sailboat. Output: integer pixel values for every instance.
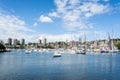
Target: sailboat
(56, 52)
(83, 49)
(112, 47)
(113, 50)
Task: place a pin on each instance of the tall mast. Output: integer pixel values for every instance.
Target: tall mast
(109, 41)
(112, 44)
(84, 38)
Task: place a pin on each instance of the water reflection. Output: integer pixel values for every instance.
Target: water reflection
(20, 66)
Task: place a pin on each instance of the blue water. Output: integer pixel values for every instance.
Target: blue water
(36, 66)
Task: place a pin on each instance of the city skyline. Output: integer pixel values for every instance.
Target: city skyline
(59, 19)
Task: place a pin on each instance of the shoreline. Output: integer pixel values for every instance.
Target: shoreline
(1, 51)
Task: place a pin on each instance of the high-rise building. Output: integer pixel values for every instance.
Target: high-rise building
(23, 41)
(39, 41)
(15, 41)
(18, 42)
(45, 41)
(9, 41)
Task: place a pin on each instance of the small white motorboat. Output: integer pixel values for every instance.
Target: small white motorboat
(80, 52)
(28, 51)
(56, 54)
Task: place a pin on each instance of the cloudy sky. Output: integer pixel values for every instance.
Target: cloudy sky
(59, 19)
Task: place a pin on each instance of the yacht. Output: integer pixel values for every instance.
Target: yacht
(35, 50)
(104, 50)
(28, 51)
(113, 48)
(80, 52)
(56, 54)
(40, 50)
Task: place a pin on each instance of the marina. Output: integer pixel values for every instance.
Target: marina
(59, 39)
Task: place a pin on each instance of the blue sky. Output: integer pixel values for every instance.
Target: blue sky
(59, 19)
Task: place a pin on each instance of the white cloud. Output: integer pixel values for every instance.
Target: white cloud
(12, 26)
(74, 2)
(35, 24)
(88, 14)
(91, 9)
(53, 14)
(75, 13)
(45, 19)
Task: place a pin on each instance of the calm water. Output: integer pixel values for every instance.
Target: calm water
(36, 66)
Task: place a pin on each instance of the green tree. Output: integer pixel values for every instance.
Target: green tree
(118, 45)
(50, 47)
(22, 47)
(2, 47)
